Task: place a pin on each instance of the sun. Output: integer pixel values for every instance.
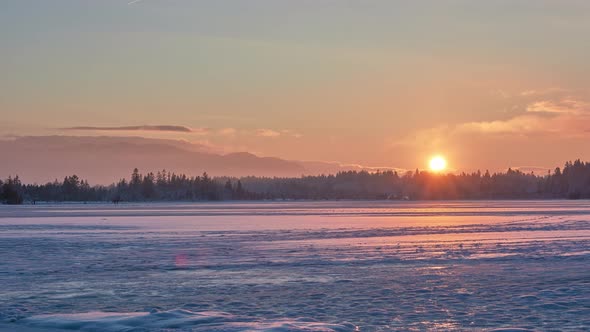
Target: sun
(438, 164)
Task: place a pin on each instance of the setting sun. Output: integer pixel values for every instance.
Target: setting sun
(438, 164)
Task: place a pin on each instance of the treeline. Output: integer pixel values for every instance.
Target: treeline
(573, 182)
(161, 186)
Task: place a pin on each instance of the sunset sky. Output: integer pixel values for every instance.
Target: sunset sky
(488, 84)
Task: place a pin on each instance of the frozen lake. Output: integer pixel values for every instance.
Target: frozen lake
(296, 266)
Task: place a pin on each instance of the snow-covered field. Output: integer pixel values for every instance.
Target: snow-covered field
(329, 266)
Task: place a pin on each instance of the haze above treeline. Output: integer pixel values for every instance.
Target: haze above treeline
(573, 182)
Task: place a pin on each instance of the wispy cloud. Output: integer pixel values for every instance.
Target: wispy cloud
(168, 128)
(542, 92)
(517, 125)
(267, 133)
(277, 133)
(550, 113)
(565, 116)
(563, 106)
(227, 132)
(291, 133)
(133, 1)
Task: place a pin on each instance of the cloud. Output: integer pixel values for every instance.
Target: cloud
(542, 92)
(542, 128)
(563, 106)
(551, 113)
(516, 125)
(275, 133)
(291, 133)
(565, 125)
(168, 128)
(220, 133)
(227, 132)
(567, 117)
(267, 133)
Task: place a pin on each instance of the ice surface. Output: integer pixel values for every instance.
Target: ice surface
(174, 319)
(296, 266)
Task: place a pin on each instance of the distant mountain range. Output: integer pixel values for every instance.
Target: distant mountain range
(106, 159)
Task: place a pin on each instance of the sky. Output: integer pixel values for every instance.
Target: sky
(383, 83)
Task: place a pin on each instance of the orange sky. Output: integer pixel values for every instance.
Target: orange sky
(377, 83)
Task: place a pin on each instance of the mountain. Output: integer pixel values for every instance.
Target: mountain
(106, 159)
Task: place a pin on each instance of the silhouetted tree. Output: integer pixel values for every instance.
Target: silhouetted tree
(240, 190)
(148, 189)
(573, 181)
(11, 191)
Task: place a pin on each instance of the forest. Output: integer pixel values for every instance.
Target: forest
(571, 182)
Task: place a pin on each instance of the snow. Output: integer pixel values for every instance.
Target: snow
(176, 319)
(296, 266)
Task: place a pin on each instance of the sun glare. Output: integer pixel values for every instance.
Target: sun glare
(438, 164)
